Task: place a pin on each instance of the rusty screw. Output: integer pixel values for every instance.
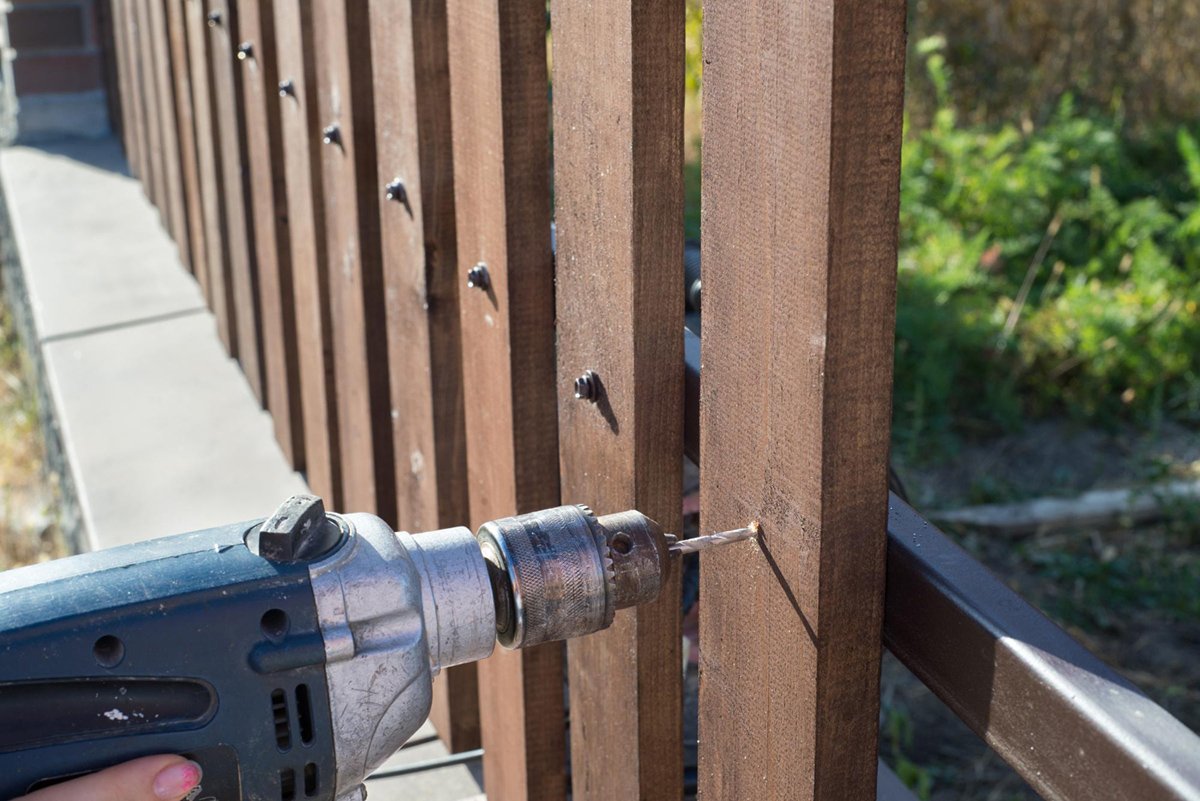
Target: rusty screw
(587, 387)
(332, 135)
(395, 191)
(245, 50)
(287, 87)
(214, 19)
(478, 278)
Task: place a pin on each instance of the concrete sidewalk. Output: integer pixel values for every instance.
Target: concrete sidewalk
(158, 430)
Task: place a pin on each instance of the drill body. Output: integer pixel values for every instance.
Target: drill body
(288, 657)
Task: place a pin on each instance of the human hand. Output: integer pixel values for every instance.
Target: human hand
(157, 778)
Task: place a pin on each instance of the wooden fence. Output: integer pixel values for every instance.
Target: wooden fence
(363, 191)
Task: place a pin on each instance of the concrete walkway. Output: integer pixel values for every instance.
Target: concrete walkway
(159, 430)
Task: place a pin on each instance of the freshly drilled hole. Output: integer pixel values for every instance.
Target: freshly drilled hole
(622, 543)
(275, 624)
(109, 651)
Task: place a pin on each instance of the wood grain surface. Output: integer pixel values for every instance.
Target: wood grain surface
(618, 160)
(500, 107)
(224, 37)
(272, 241)
(801, 169)
(186, 127)
(176, 207)
(417, 226)
(346, 99)
(208, 158)
(145, 98)
(125, 78)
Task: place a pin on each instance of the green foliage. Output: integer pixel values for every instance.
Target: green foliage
(899, 738)
(1044, 270)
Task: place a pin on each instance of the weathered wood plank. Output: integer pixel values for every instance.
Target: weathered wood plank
(618, 160)
(346, 106)
(224, 37)
(140, 71)
(500, 107)
(272, 241)
(186, 127)
(208, 159)
(801, 161)
(414, 147)
(304, 183)
(120, 31)
(175, 212)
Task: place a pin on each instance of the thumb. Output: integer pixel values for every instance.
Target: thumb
(157, 778)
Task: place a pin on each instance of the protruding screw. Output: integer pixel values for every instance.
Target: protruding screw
(245, 50)
(587, 387)
(287, 87)
(332, 135)
(478, 278)
(214, 19)
(395, 191)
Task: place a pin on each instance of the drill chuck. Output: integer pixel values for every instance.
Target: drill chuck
(563, 572)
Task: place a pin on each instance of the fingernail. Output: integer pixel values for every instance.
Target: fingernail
(176, 780)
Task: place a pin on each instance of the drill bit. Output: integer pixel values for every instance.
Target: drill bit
(698, 544)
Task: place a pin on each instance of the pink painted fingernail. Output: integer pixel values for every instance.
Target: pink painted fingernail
(175, 781)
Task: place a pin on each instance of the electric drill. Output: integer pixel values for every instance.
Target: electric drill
(289, 657)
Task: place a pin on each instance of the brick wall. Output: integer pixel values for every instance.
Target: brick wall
(58, 69)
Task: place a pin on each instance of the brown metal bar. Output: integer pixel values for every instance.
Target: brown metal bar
(1063, 719)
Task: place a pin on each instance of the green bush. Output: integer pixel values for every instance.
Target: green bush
(1044, 270)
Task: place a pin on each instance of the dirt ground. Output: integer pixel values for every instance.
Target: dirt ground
(29, 529)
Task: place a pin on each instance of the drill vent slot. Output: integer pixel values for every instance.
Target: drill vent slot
(305, 716)
(283, 726)
(310, 780)
(287, 784)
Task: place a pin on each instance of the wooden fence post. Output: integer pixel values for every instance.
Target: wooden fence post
(268, 201)
(239, 225)
(208, 158)
(129, 133)
(618, 159)
(345, 96)
(802, 118)
(186, 127)
(420, 262)
(500, 106)
(301, 132)
(175, 212)
(150, 168)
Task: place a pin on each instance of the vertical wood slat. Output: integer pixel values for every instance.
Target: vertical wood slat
(302, 167)
(618, 157)
(500, 107)
(208, 158)
(345, 99)
(801, 161)
(272, 240)
(186, 127)
(136, 80)
(175, 211)
(120, 31)
(414, 148)
(159, 193)
(229, 122)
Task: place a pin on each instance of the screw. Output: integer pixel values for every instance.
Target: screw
(478, 278)
(396, 191)
(287, 87)
(587, 387)
(214, 19)
(245, 50)
(332, 135)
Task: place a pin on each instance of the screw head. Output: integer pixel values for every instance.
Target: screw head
(214, 19)
(332, 135)
(478, 278)
(395, 191)
(587, 387)
(245, 50)
(287, 87)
